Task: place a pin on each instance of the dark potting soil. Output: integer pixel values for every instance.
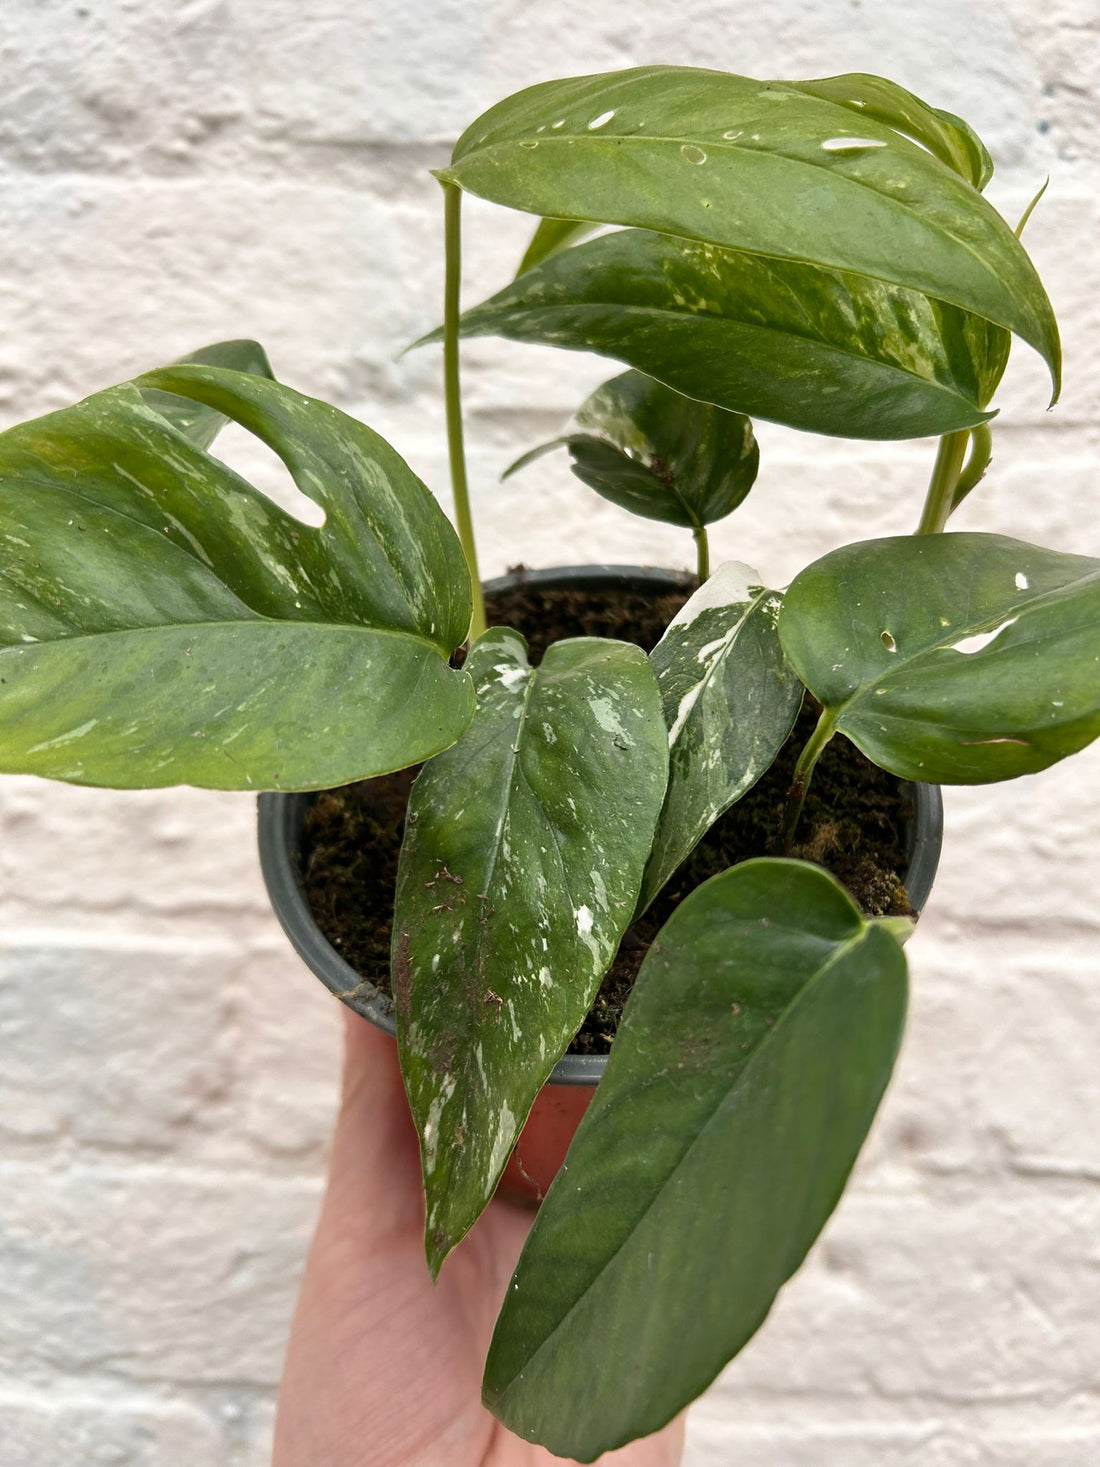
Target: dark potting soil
(853, 822)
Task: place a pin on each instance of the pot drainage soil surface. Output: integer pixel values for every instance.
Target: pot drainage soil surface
(853, 822)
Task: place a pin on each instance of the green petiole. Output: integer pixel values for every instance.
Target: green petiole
(452, 211)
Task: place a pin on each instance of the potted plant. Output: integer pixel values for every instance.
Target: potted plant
(816, 253)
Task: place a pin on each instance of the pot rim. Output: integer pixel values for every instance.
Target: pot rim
(282, 818)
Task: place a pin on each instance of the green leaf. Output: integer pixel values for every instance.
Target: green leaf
(193, 419)
(550, 237)
(811, 348)
(659, 454)
(730, 699)
(162, 622)
(753, 1054)
(956, 658)
(946, 136)
(756, 166)
(519, 872)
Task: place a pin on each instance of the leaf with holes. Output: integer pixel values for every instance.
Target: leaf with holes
(659, 454)
(730, 698)
(815, 349)
(957, 658)
(761, 167)
(162, 622)
(752, 1056)
(519, 872)
(195, 420)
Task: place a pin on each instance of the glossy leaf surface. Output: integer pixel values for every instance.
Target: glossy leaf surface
(754, 1050)
(659, 454)
(730, 698)
(757, 166)
(946, 136)
(956, 658)
(550, 237)
(814, 349)
(195, 420)
(162, 622)
(520, 869)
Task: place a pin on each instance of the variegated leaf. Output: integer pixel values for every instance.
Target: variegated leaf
(520, 869)
(162, 622)
(730, 699)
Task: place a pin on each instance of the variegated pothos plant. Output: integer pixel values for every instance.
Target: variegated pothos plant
(819, 254)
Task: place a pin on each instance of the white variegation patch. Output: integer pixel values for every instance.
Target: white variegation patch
(731, 584)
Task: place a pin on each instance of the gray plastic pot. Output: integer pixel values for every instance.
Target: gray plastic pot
(546, 1137)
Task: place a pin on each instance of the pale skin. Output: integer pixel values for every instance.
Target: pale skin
(383, 1369)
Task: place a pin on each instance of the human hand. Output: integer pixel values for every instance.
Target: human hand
(383, 1369)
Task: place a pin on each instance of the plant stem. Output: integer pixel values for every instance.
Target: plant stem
(796, 798)
(981, 451)
(900, 929)
(941, 487)
(702, 553)
(452, 214)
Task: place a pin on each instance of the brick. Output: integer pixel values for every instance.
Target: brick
(312, 274)
(75, 858)
(149, 1273)
(996, 1077)
(290, 1053)
(261, 1431)
(931, 1442)
(999, 838)
(128, 1048)
(1065, 45)
(67, 1433)
(959, 1290)
(223, 86)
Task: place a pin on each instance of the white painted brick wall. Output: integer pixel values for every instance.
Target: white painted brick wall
(174, 174)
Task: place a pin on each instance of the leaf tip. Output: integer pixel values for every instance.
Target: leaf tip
(437, 1246)
(430, 338)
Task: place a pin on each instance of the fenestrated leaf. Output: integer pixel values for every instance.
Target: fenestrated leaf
(730, 698)
(162, 622)
(948, 137)
(552, 236)
(519, 872)
(659, 454)
(752, 1055)
(957, 658)
(194, 419)
(815, 349)
(756, 166)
